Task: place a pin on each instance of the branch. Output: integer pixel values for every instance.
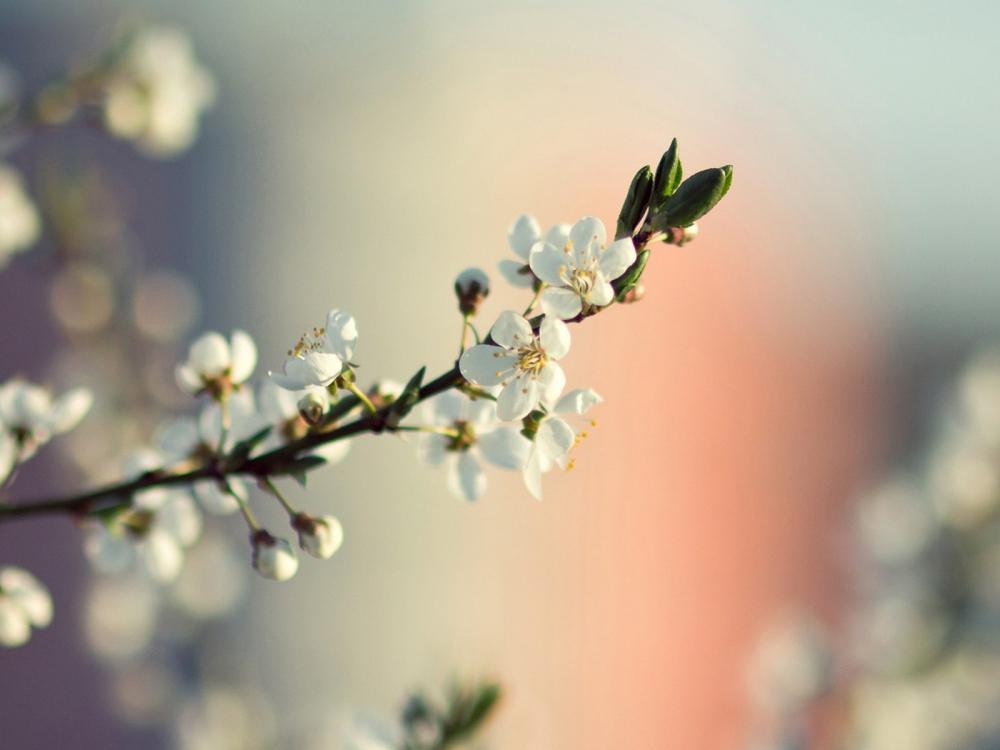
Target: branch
(119, 495)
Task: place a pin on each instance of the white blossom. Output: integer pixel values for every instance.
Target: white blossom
(522, 236)
(319, 536)
(152, 534)
(157, 92)
(24, 603)
(215, 365)
(579, 273)
(189, 439)
(555, 437)
(475, 433)
(320, 356)
(273, 557)
(19, 220)
(523, 363)
(284, 410)
(30, 417)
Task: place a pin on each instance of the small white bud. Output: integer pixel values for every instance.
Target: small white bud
(472, 286)
(313, 405)
(273, 558)
(320, 537)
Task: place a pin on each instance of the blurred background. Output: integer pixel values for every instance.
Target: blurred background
(359, 156)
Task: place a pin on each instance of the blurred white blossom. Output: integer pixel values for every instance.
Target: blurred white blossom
(157, 92)
(555, 437)
(470, 430)
(24, 604)
(215, 365)
(20, 224)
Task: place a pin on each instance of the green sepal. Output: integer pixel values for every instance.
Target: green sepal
(627, 281)
(408, 398)
(636, 203)
(297, 468)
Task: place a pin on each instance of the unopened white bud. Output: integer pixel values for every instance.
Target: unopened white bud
(273, 558)
(313, 405)
(320, 537)
(472, 286)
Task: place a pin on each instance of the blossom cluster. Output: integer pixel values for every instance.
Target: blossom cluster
(505, 403)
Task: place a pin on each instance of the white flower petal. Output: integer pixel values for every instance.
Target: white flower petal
(533, 474)
(244, 357)
(601, 293)
(550, 264)
(481, 412)
(69, 409)
(277, 404)
(161, 555)
(578, 401)
(466, 478)
(587, 235)
(518, 398)
(505, 447)
(209, 355)
(180, 517)
(15, 630)
(554, 438)
(485, 364)
(8, 454)
(616, 259)
(28, 593)
(107, 552)
(551, 381)
(214, 499)
(558, 235)
(432, 449)
(178, 438)
(516, 273)
(333, 453)
(341, 334)
(187, 379)
(561, 303)
(447, 407)
(511, 330)
(554, 337)
(324, 366)
(522, 234)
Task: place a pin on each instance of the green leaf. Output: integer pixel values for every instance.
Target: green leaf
(668, 176)
(627, 281)
(297, 468)
(696, 196)
(402, 405)
(242, 450)
(636, 203)
(467, 710)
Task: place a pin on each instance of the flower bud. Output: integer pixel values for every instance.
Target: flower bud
(273, 558)
(313, 405)
(471, 287)
(681, 235)
(634, 294)
(320, 537)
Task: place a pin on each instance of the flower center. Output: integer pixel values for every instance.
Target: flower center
(311, 341)
(464, 438)
(532, 358)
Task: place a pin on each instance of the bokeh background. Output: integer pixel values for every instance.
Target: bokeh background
(361, 154)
